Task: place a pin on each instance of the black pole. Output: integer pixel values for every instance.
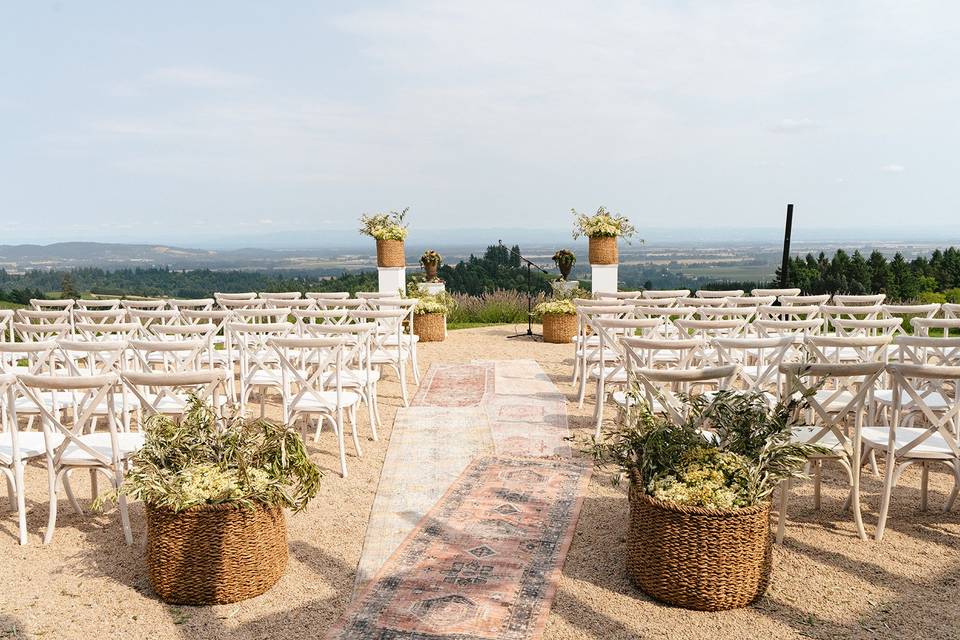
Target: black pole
(530, 266)
(785, 265)
(529, 303)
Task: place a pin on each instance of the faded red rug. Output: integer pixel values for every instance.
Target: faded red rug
(483, 563)
(455, 385)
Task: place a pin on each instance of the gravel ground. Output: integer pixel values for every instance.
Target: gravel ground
(826, 582)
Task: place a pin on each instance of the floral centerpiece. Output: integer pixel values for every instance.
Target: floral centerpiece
(430, 314)
(700, 494)
(389, 230)
(214, 489)
(564, 259)
(430, 260)
(602, 229)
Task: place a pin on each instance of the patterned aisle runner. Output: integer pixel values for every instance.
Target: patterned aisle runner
(483, 563)
(507, 408)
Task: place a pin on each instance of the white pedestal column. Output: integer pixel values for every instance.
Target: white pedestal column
(392, 279)
(604, 278)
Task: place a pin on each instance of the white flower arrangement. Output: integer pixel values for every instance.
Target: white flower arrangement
(602, 224)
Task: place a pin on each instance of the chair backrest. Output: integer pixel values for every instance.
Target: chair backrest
(602, 302)
(6, 325)
(759, 360)
(281, 295)
(702, 302)
(103, 304)
(8, 412)
(175, 332)
(100, 316)
(42, 332)
(618, 295)
(922, 326)
(199, 304)
(660, 387)
(340, 303)
(707, 329)
(46, 316)
(41, 356)
(83, 357)
(666, 293)
(878, 326)
(729, 293)
(108, 331)
(841, 349)
(327, 295)
(649, 352)
(868, 300)
(950, 310)
(775, 292)
(906, 312)
(90, 394)
(926, 350)
(145, 305)
(165, 393)
(64, 303)
(799, 329)
(744, 314)
(170, 356)
(148, 318)
(781, 312)
(803, 301)
(846, 390)
(247, 295)
(262, 316)
(749, 301)
(287, 303)
(373, 295)
(913, 387)
(232, 304)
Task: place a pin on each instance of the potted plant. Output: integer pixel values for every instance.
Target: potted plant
(699, 495)
(430, 260)
(430, 316)
(559, 318)
(214, 490)
(602, 229)
(389, 230)
(564, 259)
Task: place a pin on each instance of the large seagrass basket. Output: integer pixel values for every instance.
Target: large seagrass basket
(430, 327)
(215, 554)
(603, 250)
(559, 328)
(698, 558)
(390, 253)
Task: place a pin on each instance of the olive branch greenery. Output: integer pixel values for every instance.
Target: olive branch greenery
(204, 458)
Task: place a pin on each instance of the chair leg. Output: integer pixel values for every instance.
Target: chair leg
(782, 512)
(855, 496)
(52, 493)
(93, 484)
(370, 414)
(403, 384)
(414, 364)
(65, 478)
(817, 477)
(124, 518)
(874, 467)
(885, 501)
(956, 486)
(11, 491)
(924, 485)
(21, 506)
(338, 429)
(352, 416)
(583, 389)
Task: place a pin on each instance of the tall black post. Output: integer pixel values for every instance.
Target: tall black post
(785, 266)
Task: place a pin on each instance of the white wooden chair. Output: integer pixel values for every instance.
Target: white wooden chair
(237, 304)
(312, 386)
(587, 342)
(107, 332)
(143, 305)
(98, 304)
(28, 332)
(196, 304)
(281, 295)
(824, 423)
(259, 368)
(785, 312)
(923, 326)
(59, 304)
(169, 394)
(872, 299)
(804, 301)
(6, 325)
(69, 448)
(99, 316)
(327, 295)
(618, 295)
(758, 362)
(933, 443)
(246, 295)
(387, 345)
(666, 293)
(659, 389)
(921, 351)
(907, 312)
(729, 293)
(950, 310)
(749, 301)
(878, 327)
(777, 293)
(16, 449)
(409, 307)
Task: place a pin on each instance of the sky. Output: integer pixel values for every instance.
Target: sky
(195, 122)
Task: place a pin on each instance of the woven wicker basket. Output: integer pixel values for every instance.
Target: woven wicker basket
(603, 250)
(559, 328)
(214, 554)
(698, 558)
(430, 327)
(390, 253)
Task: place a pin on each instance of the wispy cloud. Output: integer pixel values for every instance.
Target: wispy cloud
(893, 168)
(199, 78)
(795, 125)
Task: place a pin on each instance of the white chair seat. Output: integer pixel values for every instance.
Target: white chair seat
(840, 402)
(128, 443)
(406, 338)
(29, 443)
(805, 435)
(353, 378)
(933, 447)
(63, 400)
(934, 400)
(327, 401)
(266, 377)
(610, 374)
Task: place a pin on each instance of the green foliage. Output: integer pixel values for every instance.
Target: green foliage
(203, 458)
(431, 302)
(750, 454)
(929, 297)
(602, 224)
(499, 268)
(564, 256)
(385, 226)
(562, 307)
(497, 307)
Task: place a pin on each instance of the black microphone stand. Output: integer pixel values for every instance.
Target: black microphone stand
(529, 333)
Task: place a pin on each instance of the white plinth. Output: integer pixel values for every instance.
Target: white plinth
(392, 279)
(432, 288)
(604, 278)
